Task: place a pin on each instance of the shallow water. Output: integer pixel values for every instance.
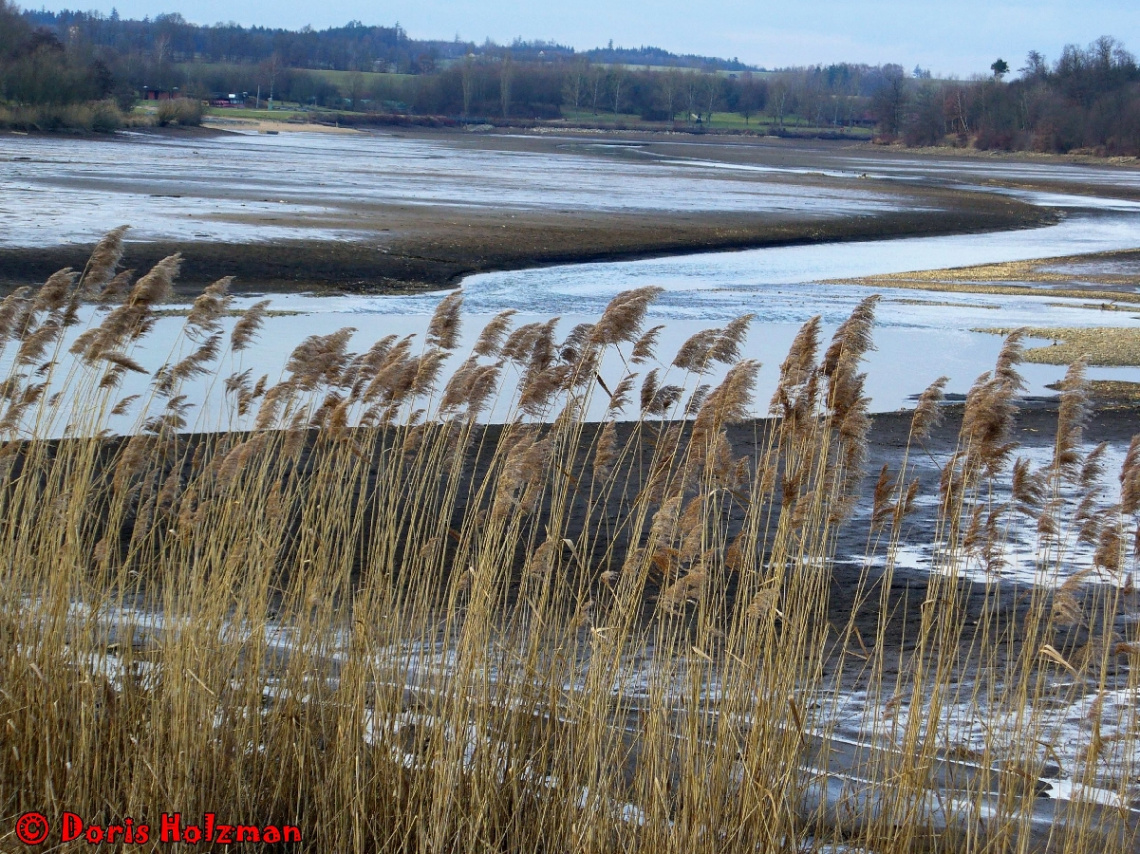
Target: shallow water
(919, 335)
(780, 284)
(316, 185)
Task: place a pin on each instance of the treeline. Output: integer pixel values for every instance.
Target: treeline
(36, 67)
(46, 84)
(1087, 100)
(502, 88)
(353, 47)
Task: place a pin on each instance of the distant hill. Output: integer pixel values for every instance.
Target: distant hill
(89, 71)
(354, 46)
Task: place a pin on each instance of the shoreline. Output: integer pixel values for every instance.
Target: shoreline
(405, 247)
(436, 255)
(219, 122)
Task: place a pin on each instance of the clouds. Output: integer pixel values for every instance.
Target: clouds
(962, 38)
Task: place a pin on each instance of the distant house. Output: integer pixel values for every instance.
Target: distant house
(151, 94)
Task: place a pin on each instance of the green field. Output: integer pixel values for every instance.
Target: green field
(341, 78)
(765, 122)
(760, 122)
(281, 114)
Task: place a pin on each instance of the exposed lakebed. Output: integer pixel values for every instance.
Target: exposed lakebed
(360, 194)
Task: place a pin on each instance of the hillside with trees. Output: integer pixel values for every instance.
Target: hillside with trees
(89, 70)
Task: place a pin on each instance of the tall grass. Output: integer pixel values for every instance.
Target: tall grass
(379, 619)
(93, 116)
(179, 111)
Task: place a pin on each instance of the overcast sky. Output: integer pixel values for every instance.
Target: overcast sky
(949, 38)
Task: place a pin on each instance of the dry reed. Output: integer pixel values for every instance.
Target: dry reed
(377, 619)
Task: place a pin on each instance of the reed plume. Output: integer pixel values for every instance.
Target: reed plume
(852, 339)
(1130, 478)
(156, 285)
(987, 422)
(104, 261)
(209, 306)
(320, 359)
(443, 329)
(1072, 416)
(245, 330)
(928, 413)
(13, 309)
(624, 316)
(797, 368)
(117, 286)
(53, 294)
(695, 355)
(491, 338)
(645, 346)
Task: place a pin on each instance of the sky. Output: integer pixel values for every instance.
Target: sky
(957, 39)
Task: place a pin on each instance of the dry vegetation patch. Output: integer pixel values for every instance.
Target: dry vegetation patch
(366, 615)
(1108, 346)
(1109, 393)
(1109, 277)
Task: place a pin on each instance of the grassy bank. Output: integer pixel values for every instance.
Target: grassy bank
(95, 117)
(98, 116)
(364, 615)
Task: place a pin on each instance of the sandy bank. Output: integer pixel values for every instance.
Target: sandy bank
(225, 123)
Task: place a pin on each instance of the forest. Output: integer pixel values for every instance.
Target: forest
(1086, 100)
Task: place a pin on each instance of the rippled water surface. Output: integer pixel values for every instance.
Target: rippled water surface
(314, 185)
(250, 187)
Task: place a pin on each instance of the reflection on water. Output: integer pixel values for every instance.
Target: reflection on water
(780, 283)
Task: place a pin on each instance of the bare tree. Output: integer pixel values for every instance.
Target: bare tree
(597, 82)
(467, 79)
(506, 72)
(751, 97)
(712, 94)
(574, 85)
(268, 70)
(617, 78)
(669, 87)
(778, 97)
(355, 88)
(890, 99)
(692, 94)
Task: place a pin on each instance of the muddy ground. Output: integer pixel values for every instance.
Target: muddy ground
(1000, 603)
(433, 247)
(1114, 421)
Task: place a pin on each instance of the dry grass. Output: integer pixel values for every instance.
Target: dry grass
(1026, 278)
(376, 620)
(944, 303)
(1114, 391)
(1104, 345)
(97, 116)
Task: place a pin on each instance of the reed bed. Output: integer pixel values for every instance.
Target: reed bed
(375, 618)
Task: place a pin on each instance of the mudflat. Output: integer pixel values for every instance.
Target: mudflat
(433, 246)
